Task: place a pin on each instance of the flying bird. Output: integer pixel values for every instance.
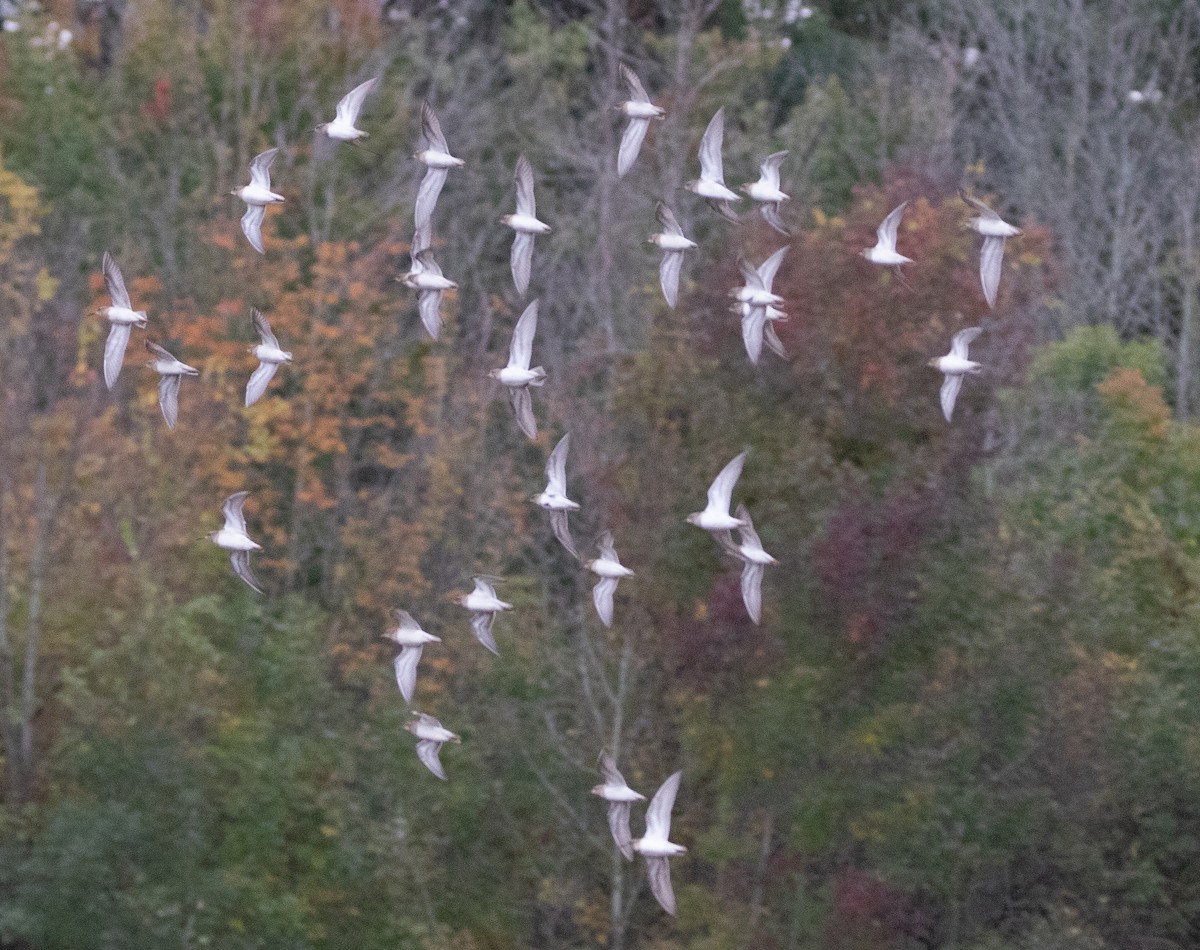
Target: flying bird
(438, 160)
(995, 231)
(673, 245)
(526, 224)
(122, 318)
(171, 372)
(884, 252)
(756, 296)
(955, 365)
(411, 639)
(234, 539)
(754, 560)
(517, 375)
(616, 791)
(484, 605)
(656, 846)
(554, 498)
(425, 276)
(611, 570)
(639, 110)
(711, 184)
(715, 518)
(342, 129)
(431, 736)
(269, 357)
(767, 193)
(257, 195)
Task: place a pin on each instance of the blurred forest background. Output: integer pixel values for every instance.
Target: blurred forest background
(971, 716)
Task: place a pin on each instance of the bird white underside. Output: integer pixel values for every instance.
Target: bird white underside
(673, 242)
(761, 191)
(886, 258)
(714, 190)
(234, 541)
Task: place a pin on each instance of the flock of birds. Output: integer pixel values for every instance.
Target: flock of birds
(758, 306)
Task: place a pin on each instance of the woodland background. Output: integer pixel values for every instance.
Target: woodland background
(971, 717)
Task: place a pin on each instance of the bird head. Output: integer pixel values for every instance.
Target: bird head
(457, 740)
(495, 373)
(693, 518)
(933, 362)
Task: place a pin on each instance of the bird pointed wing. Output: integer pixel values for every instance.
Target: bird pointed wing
(429, 305)
(637, 91)
(749, 274)
(263, 328)
(260, 168)
(609, 771)
(724, 209)
(405, 620)
(241, 567)
(523, 179)
(427, 752)
(522, 403)
(114, 282)
(618, 824)
(428, 262)
(631, 144)
(520, 352)
(666, 218)
(711, 164)
(769, 169)
(608, 548)
(405, 665)
(749, 535)
(771, 338)
(669, 270)
(556, 465)
(752, 332)
(427, 195)
(483, 585)
(770, 267)
(159, 351)
(431, 128)
(720, 492)
(978, 205)
(658, 871)
(522, 261)
(482, 625)
(235, 517)
(561, 527)
(991, 259)
(770, 214)
(351, 104)
(602, 597)
(658, 815)
(252, 226)
(168, 398)
(950, 387)
(422, 237)
(887, 230)
(752, 575)
(962, 340)
(259, 380)
(114, 352)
